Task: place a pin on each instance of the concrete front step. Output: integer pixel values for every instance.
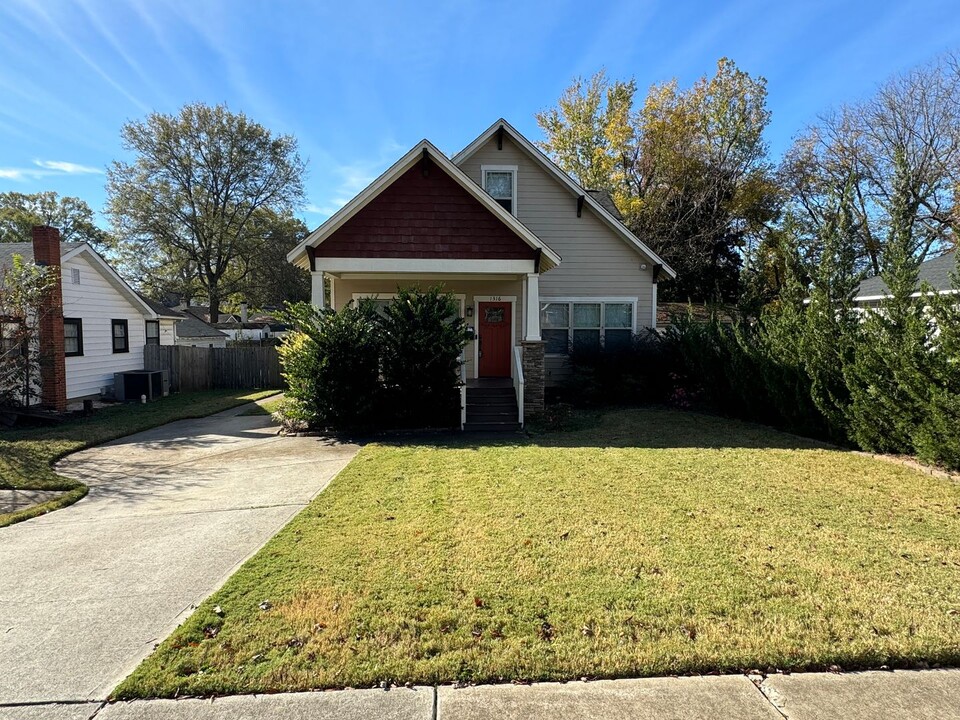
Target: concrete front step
(475, 417)
(505, 427)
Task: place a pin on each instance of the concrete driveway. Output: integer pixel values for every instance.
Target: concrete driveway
(86, 592)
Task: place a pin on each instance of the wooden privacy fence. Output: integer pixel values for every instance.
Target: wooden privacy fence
(198, 368)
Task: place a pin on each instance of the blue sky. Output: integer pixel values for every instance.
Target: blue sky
(359, 83)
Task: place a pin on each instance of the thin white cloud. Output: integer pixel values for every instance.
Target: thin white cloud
(67, 167)
(47, 168)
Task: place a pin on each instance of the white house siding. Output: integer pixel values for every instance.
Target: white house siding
(168, 335)
(205, 342)
(96, 302)
(596, 262)
(504, 287)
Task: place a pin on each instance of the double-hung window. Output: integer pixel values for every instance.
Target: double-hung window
(121, 339)
(153, 332)
(72, 337)
(12, 337)
(586, 326)
(500, 182)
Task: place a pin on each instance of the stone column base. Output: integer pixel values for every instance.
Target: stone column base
(533, 378)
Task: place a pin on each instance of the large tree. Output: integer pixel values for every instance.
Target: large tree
(192, 202)
(269, 280)
(19, 212)
(688, 169)
(907, 132)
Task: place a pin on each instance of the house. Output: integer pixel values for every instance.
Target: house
(96, 324)
(163, 330)
(538, 264)
(935, 272)
(195, 331)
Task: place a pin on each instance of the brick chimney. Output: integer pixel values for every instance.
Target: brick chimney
(53, 366)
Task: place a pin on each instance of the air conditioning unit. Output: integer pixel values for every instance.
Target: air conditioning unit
(133, 384)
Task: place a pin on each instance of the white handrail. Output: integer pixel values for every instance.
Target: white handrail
(518, 381)
(463, 392)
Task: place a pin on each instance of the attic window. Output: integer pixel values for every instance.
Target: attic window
(75, 276)
(500, 182)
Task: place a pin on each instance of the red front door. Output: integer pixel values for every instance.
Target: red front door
(494, 332)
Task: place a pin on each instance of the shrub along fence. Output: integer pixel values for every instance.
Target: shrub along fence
(195, 368)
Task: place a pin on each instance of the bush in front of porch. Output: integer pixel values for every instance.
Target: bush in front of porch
(360, 370)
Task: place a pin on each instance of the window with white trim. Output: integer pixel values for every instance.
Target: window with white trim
(75, 276)
(586, 326)
(500, 182)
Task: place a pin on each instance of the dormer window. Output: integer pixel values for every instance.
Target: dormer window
(500, 181)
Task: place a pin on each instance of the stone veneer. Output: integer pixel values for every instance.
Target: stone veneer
(533, 378)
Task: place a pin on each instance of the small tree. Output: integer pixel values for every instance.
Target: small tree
(937, 439)
(891, 343)
(831, 321)
(24, 290)
(423, 338)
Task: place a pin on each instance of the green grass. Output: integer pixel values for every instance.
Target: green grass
(656, 542)
(266, 407)
(26, 455)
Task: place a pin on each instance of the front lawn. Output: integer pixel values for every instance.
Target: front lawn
(26, 455)
(656, 542)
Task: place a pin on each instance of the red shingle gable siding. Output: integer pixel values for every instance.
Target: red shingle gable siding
(425, 217)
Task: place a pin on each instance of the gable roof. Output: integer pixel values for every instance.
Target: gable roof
(25, 250)
(424, 148)
(162, 310)
(935, 272)
(551, 167)
(194, 327)
(70, 250)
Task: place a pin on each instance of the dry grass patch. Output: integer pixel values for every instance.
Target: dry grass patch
(656, 542)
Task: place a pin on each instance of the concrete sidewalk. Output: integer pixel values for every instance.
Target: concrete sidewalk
(899, 695)
(86, 592)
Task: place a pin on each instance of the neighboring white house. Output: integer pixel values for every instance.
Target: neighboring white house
(936, 272)
(105, 323)
(539, 264)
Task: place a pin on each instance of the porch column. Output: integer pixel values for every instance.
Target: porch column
(653, 311)
(316, 284)
(533, 365)
(533, 308)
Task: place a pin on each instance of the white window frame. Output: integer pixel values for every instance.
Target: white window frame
(75, 276)
(512, 169)
(569, 301)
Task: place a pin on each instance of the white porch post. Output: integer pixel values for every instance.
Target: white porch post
(533, 307)
(653, 311)
(316, 295)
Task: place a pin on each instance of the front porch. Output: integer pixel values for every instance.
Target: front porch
(503, 312)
